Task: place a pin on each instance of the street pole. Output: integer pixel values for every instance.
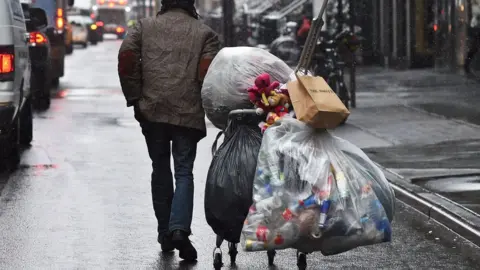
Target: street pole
(353, 68)
(228, 27)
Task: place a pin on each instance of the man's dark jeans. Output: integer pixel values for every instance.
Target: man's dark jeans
(173, 209)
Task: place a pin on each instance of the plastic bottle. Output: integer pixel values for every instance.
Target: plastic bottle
(255, 218)
(341, 181)
(262, 193)
(251, 245)
(312, 200)
(378, 216)
(323, 213)
(291, 212)
(286, 235)
(263, 175)
(258, 233)
(269, 204)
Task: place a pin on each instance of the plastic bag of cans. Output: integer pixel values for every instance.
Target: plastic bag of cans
(310, 195)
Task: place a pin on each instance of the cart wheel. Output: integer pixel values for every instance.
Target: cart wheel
(232, 251)
(217, 259)
(301, 260)
(271, 256)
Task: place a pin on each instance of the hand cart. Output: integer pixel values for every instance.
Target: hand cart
(250, 117)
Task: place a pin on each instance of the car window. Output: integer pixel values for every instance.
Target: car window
(16, 8)
(75, 19)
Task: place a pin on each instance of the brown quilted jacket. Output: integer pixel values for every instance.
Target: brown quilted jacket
(158, 67)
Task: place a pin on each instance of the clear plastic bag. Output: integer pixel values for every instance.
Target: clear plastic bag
(228, 190)
(314, 192)
(231, 73)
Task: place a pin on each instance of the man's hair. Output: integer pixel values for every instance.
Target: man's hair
(187, 5)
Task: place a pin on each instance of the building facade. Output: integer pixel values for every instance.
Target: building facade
(416, 33)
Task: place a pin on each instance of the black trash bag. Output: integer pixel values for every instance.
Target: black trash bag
(228, 191)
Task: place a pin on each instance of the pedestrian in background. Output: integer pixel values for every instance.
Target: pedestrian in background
(302, 32)
(161, 65)
(474, 35)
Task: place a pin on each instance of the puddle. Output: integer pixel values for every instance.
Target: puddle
(463, 189)
(453, 184)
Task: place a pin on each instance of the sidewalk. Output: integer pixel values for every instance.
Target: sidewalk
(427, 138)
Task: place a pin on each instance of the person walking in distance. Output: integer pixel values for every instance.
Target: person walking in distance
(161, 65)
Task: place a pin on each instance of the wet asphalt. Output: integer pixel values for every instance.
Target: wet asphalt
(81, 199)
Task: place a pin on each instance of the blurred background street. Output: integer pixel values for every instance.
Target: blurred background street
(80, 198)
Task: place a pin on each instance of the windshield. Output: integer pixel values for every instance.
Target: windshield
(112, 16)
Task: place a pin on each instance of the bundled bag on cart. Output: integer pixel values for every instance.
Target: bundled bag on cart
(231, 73)
(316, 192)
(228, 191)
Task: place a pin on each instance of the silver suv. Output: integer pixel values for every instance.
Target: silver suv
(15, 102)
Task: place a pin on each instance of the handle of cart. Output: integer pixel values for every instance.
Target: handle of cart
(240, 115)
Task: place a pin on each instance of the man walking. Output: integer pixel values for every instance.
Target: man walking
(161, 65)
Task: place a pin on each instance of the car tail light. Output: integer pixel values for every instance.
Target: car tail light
(60, 20)
(93, 27)
(120, 29)
(99, 23)
(37, 38)
(7, 63)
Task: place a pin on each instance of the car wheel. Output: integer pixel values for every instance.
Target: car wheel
(56, 82)
(26, 123)
(10, 152)
(69, 49)
(40, 90)
(85, 45)
(10, 149)
(93, 42)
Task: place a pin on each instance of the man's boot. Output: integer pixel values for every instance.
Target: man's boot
(182, 243)
(166, 242)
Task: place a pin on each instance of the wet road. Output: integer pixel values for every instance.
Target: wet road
(81, 199)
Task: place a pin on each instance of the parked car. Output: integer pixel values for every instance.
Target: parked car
(15, 101)
(68, 38)
(40, 59)
(80, 31)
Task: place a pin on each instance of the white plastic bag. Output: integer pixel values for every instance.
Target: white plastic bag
(315, 192)
(231, 73)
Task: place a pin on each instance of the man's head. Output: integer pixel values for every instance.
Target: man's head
(187, 5)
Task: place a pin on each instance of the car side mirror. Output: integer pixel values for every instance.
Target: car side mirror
(38, 18)
(71, 3)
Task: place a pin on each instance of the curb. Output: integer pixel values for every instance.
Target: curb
(428, 207)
